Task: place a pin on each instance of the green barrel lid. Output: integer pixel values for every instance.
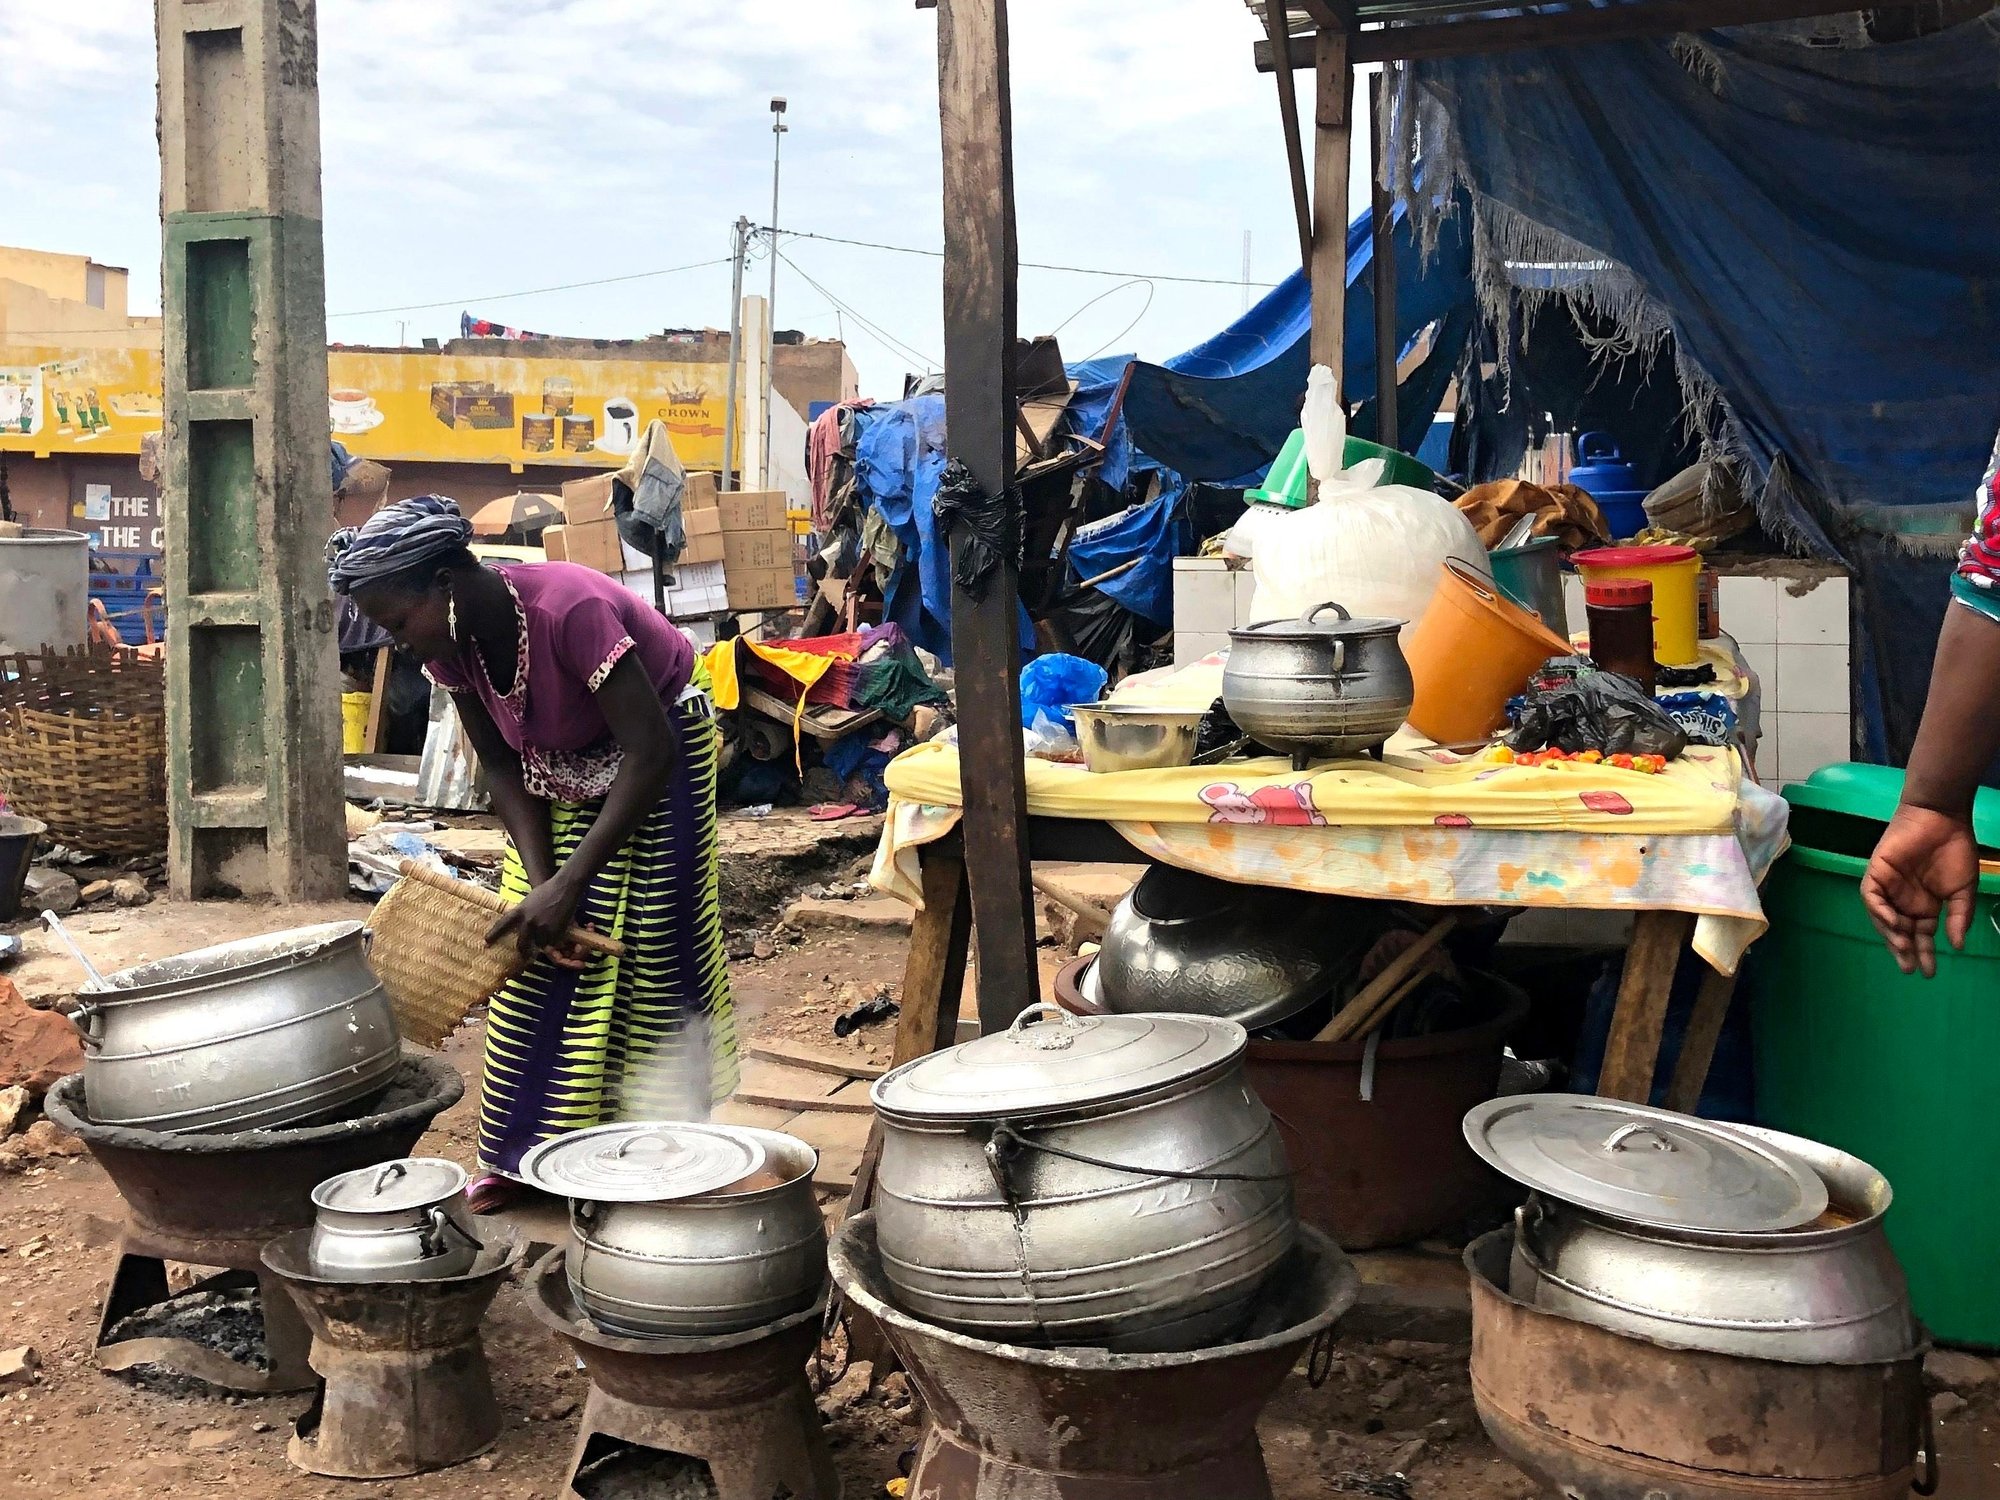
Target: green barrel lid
(1871, 793)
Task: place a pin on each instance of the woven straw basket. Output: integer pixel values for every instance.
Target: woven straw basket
(83, 747)
(428, 947)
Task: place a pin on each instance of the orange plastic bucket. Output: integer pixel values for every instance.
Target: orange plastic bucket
(1473, 650)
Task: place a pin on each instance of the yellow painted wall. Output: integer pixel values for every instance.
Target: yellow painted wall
(67, 276)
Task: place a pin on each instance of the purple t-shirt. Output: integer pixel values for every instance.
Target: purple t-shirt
(575, 625)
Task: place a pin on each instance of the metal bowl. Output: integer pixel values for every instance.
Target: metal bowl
(1128, 737)
(1193, 945)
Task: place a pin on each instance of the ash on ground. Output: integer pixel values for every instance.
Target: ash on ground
(229, 1322)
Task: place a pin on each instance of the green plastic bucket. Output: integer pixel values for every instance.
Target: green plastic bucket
(1901, 1071)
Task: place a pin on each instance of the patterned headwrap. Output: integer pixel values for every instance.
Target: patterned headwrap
(396, 539)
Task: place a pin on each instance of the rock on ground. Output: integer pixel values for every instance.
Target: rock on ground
(50, 890)
(1956, 1371)
(14, 1103)
(19, 1365)
(36, 1046)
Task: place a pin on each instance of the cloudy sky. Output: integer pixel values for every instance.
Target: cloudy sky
(474, 150)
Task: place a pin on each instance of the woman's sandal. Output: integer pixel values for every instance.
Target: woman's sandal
(490, 1193)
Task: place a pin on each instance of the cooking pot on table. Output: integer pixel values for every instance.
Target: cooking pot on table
(1725, 1238)
(402, 1221)
(1317, 688)
(686, 1231)
(1104, 1180)
(285, 1029)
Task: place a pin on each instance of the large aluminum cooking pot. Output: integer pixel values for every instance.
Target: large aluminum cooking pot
(279, 1030)
(1104, 1180)
(1698, 1235)
(1318, 688)
(716, 1261)
(402, 1221)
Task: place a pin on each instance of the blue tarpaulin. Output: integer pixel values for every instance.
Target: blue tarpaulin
(1818, 226)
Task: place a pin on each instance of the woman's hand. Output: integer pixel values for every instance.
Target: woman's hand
(541, 923)
(1925, 862)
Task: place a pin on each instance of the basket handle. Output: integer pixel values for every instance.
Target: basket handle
(493, 901)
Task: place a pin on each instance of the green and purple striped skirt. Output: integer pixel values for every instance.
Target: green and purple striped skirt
(646, 1036)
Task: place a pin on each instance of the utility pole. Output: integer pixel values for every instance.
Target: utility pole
(771, 297)
(742, 248)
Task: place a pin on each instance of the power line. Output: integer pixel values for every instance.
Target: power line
(1026, 265)
(568, 286)
(882, 335)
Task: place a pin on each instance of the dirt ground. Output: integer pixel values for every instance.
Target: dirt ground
(1388, 1405)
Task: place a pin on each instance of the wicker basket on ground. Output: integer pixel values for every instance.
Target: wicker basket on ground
(83, 747)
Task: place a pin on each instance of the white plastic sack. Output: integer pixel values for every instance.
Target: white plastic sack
(1375, 549)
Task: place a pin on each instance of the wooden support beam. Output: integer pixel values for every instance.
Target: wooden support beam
(1383, 264)
(1295, 151)
(1332, 116)
(979, 313)
(1451, 38)
(1704, 1030)
(378, 701)
(1632, 1050)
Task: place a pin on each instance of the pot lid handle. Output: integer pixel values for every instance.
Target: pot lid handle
(1033, 1027)
(388, 1175)
(1617, 1139)
(1319, 609)
(667, 1145)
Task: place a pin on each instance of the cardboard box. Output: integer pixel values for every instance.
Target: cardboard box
(763, 588)
(594, 544)
(742, 550)
(753, 510)
(587, 500)
(704, 536)
(699, 493)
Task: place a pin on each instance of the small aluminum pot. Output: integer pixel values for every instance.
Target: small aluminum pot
(402, 1221)
(1315, 689)
(1830, 1292)
(718, 1263)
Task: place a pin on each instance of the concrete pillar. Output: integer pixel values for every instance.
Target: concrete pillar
(756, 423)
(253, 692)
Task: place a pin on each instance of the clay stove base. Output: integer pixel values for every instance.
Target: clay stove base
(739, 1404)
(1011, 1423)
(404, 1384)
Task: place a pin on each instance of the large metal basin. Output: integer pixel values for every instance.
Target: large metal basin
(271, 1031)
(44, 589)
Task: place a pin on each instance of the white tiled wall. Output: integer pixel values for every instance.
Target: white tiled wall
(1210, 600)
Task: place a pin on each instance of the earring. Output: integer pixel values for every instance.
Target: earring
(451, 615)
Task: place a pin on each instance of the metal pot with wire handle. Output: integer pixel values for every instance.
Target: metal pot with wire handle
(402, 1221)
(1318, 688)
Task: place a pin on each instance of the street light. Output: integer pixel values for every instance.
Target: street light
(771, 299)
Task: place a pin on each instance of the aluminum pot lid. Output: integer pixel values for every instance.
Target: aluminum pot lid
(642, 1162)
(1646, 1166)
(1314, 625)
(394, 1187)
(1050, 1060)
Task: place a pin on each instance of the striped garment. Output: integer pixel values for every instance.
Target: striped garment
(1976, 584)
(651, 1035)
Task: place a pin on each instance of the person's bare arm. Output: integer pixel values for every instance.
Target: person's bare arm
(638, 720)
(524, 815)
(1927, 860)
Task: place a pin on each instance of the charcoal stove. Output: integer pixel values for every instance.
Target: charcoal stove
(217, 1200)
(739, 1403)
(404, 1386)
(1013, 1423)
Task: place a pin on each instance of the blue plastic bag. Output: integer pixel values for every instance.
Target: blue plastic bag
(1049, 684)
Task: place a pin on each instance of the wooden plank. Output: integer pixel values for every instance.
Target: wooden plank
(378, 702)
(1333, 89)
(734, 1111)
(1704, 1030)
(1295, 151)
(976, 129)
(816, 1059)
(1377, 44)
(1632, 1050)
(1383, 266)
(839, 1139)
(783, 1087)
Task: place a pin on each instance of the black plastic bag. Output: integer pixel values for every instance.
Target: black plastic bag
(1604, 711)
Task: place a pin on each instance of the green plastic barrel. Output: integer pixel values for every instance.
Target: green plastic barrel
(1901, 1071)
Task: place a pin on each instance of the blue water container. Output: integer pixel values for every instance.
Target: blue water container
(1611, 482)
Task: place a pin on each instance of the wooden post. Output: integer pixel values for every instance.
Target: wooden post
(378, 701)
(1704, 1030)
(1632, 1050)
(1295, 150)
(1334, 88)
(1383, 263)
(979, 299)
